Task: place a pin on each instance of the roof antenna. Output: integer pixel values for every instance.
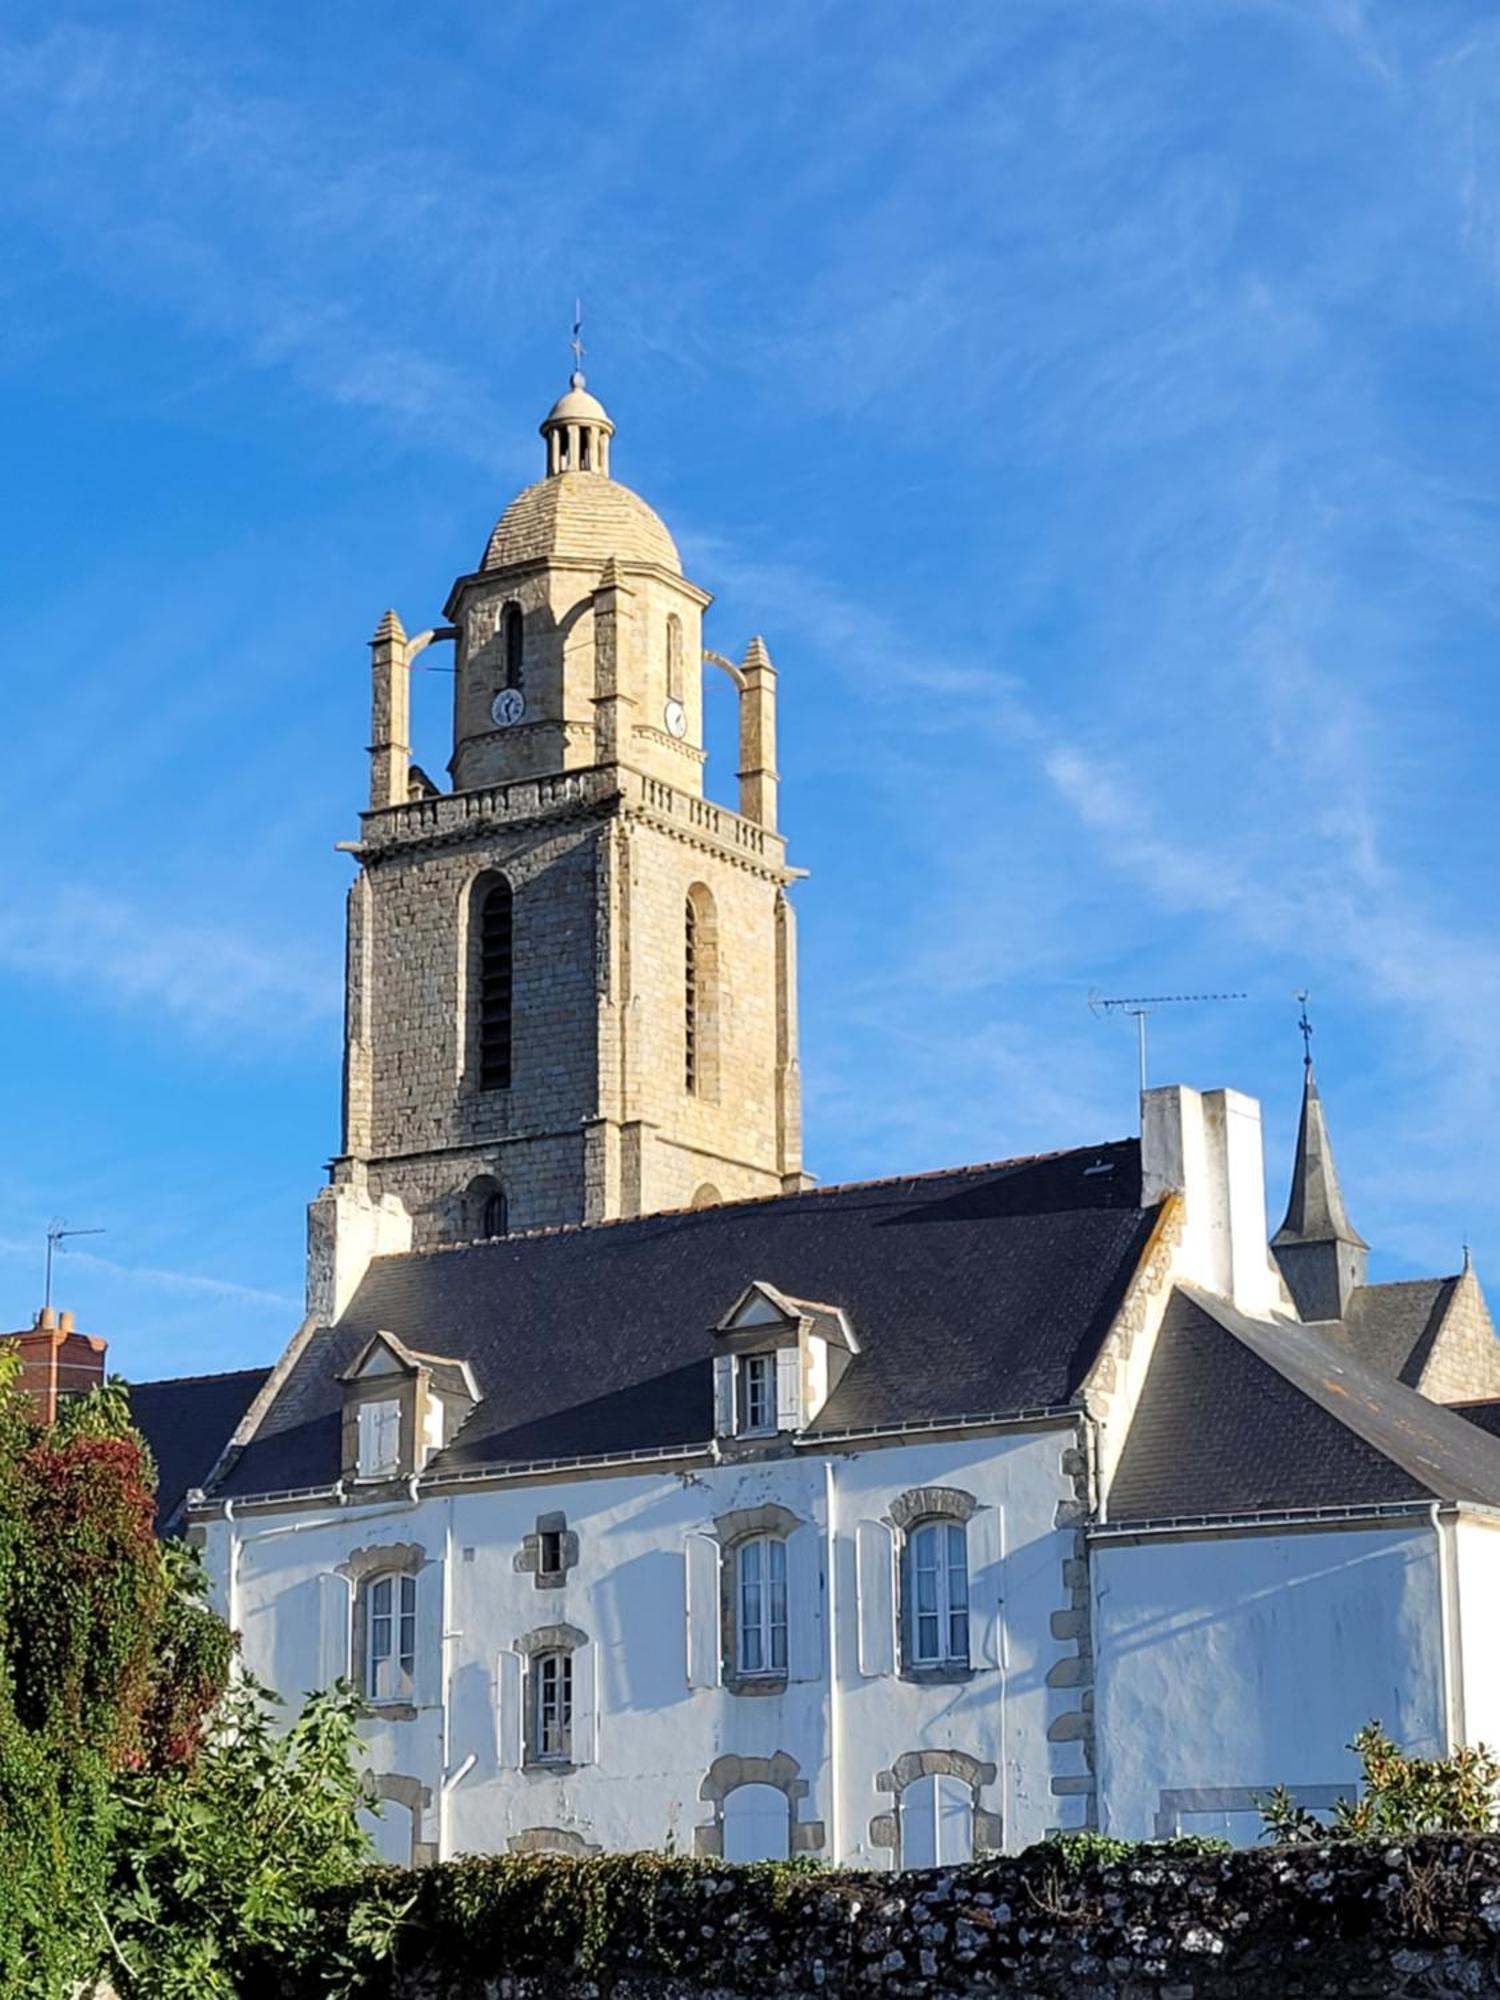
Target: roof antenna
(57, 1232)
(1306, 1027)
(577, 343)
(1141, 1007)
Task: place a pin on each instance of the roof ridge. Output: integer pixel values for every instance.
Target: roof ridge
(761, 1200)
(176, 1381)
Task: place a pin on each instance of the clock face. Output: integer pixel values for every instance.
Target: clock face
(674, 715)
(507, 707)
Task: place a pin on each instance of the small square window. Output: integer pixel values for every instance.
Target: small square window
(758, 1392)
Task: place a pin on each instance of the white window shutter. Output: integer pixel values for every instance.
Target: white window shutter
(334, 1620)
(586, 1705)
(510, 1692)
(701, 1572)
(789, 1388)
(428, 1689)
(986, 1586)
(369, 1439)
(875, 1568)
(804, 1604)
(724, 1418)
(919, 1823)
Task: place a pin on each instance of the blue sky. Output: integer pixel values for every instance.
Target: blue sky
(1092, 401)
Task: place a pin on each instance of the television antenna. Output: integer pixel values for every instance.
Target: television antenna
(57, 1234)
(1138, 1007)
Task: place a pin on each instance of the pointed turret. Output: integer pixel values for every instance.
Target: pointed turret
(1321, 1254)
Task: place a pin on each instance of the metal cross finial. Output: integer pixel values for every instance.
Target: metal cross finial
(1306, 1028)
(577, 341)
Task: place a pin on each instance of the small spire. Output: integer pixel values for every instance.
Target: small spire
(1315, 1213)
(390, 627)
(756, 654)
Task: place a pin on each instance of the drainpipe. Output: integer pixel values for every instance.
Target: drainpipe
(835, 1696)
(1455, 1722)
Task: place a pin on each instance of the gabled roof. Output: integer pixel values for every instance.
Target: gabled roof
(982, 1289)
(828, 1322)
(1241, 1416)
(448, 1377)
(187, 1421)
(1393, 1327)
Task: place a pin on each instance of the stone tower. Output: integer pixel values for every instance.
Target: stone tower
(571, 979)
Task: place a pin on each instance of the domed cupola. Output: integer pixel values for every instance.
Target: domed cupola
(578, 430)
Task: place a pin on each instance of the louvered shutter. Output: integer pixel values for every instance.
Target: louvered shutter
(427, 1690)
(875, 1567)
(724, 1414)
(701, 1575)
(334, 1620)
(586, 1705)
(804, 1593)
(509, 1694)
(789, 1389)
(986, 1541)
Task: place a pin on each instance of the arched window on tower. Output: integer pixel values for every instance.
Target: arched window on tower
(700, 996)
(512, 633)
(485, 1212)
(493, 980)
(674, 658)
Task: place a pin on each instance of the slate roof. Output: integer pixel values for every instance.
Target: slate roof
(1485, 1414)
(981, 1289)
(1243, 1416)
(1393, 1327)
(187, 1421)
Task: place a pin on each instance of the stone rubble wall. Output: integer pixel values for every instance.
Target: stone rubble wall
(1419, 1922)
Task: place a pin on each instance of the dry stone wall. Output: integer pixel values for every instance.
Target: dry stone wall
(1418, 1922)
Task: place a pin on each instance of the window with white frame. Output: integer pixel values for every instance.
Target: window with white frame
(760, 1606)
(379, 1439)
(390, 1637)
(551, 1708)
(757, 1397)
(937, 1595)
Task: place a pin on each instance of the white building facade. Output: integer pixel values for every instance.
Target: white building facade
(656, 1500)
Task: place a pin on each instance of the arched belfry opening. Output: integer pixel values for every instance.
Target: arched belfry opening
(700, 994)
(491, 972)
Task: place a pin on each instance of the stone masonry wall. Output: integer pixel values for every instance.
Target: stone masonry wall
(1317, 1923)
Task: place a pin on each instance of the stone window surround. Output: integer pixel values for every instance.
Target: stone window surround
(909, 1511)
(528, 1558)
(362, 1567)
(417, 1798)
(1170, 1804)
(541, 1639)
(885, 1827)
(551, 1840)
(739, 1525)
(783, 1774)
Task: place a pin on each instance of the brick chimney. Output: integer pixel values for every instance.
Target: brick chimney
(56, 1361)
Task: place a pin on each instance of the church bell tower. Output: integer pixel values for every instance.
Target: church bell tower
(571, 985)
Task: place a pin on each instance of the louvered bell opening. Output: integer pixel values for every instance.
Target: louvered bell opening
(495, 989)
(690, 1001)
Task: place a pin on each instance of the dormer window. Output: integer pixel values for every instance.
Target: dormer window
(757, 1398)
(776, 1360)
(379, 1439)
(400, 1407)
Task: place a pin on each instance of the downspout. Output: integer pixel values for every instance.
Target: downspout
(835, 1696)
(1455, 1722)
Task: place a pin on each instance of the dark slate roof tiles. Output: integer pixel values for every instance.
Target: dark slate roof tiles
(976, 1290)
(187, 1421)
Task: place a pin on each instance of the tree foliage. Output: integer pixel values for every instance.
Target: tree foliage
(1400, 1796)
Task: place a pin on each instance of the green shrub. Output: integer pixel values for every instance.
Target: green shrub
(1401, 1796)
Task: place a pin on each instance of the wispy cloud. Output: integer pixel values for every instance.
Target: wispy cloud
(198, 973)
(189, 1284)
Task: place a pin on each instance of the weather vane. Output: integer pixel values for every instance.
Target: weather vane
(1306, 1027)
(577, 341)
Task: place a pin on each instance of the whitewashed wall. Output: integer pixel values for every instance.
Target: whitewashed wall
(1479, 1627)
(1230, 1663)
(848, 1720)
